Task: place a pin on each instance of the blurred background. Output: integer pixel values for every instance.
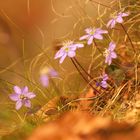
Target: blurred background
(30, 31)
(36, 24)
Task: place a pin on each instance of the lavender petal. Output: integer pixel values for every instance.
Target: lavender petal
(90, 40)
(17, 90)
(84, 37)
(98, 36)
(53, 73)
(30, 95)
(62, 58)
(109, 23)
(71, 53)
(125, 14)
(112, 46)
(25, 89)
(27, 103)
(119, 19)
(113, 55)
(104, 84)
(44, 80)
(80, 45)
(59, 54)
(18, 104)
(14, 97)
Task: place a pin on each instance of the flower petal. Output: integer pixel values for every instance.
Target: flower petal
(113, 55)
(25, 89)
(79, 45)
(98, 36)
(112, 46)
(110, 23)
(108, 60)
(14, 97)
(59, 54)
(44, 80)
(119, 19)
(72, 47)
(30, 95)
(27, 103)
(18, 104)
(17, 90)
(90, 40)
(62, 58)
(84, 37)
(104, 84)
(100, 31)
(53, 73)
(113, 24)
(71, 53)
(105, 77)
(125, 14)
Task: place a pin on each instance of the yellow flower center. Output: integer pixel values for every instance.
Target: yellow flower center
(92, 31)
(67, 43)
(106, 52)
(67, 49)
(22, 97)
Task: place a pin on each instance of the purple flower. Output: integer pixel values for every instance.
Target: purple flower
(22, 97)
(68, 49)
(103, 83)
(117, 19)
(109, 53)
(92, 33)
(105, 77)
(46, 74)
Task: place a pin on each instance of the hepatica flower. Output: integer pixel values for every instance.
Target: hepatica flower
(103, 83)
(92, 33)
(68, 49)
(117, 19)
(45, 74)
(109, 53)
(22, 97)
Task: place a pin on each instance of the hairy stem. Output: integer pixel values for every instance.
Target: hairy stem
(100, 4)
(128, 38)
(94, 89)
(97, 47)
(82, 68)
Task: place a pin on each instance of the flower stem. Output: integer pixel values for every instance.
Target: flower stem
(94, 89)
(97, 47)
(100, 4)
(128, 38)
(82, 68)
